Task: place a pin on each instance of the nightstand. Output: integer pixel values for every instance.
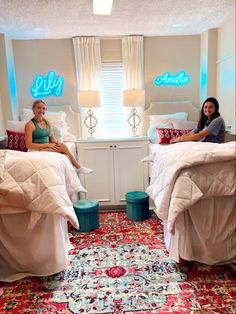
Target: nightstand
(3, 141)
(230, 135)
(117, 168)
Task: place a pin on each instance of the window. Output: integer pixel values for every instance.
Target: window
(112, 123)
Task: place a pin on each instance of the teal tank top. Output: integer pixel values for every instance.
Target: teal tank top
(40, 135)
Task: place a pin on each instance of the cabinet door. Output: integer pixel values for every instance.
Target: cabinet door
(130, 173)
(100, 183)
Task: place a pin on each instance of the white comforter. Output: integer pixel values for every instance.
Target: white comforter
(38, 182)
(184, 173)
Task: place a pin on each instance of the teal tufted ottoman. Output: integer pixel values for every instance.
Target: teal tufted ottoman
(137, 205)
(87, 214)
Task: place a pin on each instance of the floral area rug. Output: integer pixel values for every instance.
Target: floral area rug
(123, 268)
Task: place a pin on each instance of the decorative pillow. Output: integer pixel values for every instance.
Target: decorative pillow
(16, 126)
(152, 133)
(165, 135)
(58, 130)
(155, 119)
(184, 125)
(61, 133)
(16, 141)
(68, 137)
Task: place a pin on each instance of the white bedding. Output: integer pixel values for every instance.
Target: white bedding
(35, 206)
(185, 174)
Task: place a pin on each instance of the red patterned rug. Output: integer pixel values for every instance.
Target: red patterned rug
(123, 268)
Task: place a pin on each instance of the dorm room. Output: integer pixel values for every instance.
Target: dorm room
(190, 185)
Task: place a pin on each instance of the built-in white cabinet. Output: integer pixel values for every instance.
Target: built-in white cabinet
(117, 168)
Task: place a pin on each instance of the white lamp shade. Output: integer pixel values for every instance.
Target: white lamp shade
(89, 99)
(134, 98)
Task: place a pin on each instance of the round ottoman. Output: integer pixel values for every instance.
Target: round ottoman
(87, 214)
(137, 205)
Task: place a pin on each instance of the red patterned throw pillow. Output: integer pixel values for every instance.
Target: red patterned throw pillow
(16, 141)
(165, 135)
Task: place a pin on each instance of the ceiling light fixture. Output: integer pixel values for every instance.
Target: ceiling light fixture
(102, 7)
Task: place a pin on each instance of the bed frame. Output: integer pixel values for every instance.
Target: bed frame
(167, 107)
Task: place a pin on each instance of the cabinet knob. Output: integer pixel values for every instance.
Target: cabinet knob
(115, 146)
(110, 146)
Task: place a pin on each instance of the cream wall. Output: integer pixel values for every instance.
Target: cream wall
(208, 57)
(172, 54)
(8, 94)
(161, 54)
(225, 67)
(38, 57)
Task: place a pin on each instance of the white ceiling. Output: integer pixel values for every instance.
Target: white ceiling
(36, 19)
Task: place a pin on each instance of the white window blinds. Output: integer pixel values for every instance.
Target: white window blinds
(112, 123)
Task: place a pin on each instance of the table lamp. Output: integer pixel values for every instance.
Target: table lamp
(134, 98)
(90, 99)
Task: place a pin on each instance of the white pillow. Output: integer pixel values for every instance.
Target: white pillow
(16, 126)
(184, 125)
(68, 137)
(155, 119)
(152, 133)
(58, 122)
(57, 128)
(61, 132)
(50, 115)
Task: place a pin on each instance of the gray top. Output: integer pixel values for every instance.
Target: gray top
(216, 130)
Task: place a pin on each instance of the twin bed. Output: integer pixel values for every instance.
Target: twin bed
(36, 192)
(192, 185)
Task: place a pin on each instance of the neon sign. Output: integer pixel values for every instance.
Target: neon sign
(182, 78)
(50, 85)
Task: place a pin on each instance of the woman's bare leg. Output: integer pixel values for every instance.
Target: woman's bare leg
(63, 149)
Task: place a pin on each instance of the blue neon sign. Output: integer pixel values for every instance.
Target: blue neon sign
(50, 85)
(182, 78)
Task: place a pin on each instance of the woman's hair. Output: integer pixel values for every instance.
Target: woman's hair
(38, 101)
(203, 119)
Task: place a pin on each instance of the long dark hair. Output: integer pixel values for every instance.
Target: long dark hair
(203, 119)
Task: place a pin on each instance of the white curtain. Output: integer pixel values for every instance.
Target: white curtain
(132, 55)
(88, 62)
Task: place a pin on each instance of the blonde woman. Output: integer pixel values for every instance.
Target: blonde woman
(39, 136)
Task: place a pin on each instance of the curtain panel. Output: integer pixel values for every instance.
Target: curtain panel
(88, 62)
(132, 55)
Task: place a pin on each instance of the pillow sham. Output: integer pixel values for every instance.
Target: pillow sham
(165, 135)
(16, 141)
(184, 125)
(152, 133)
(58, 122)
(50, 115)
(57, 128)
(68, 137)
(16, 126)
(154, 119)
